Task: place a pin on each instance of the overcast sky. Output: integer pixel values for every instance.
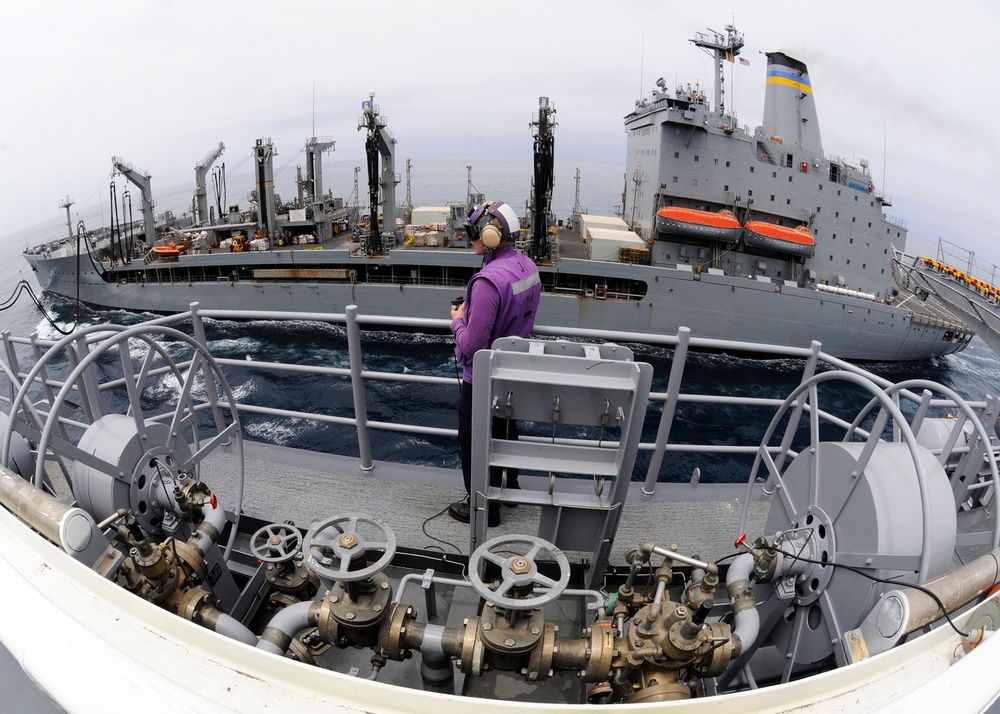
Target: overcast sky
(160, 83)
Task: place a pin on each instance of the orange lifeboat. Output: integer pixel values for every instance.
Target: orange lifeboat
(171, 250)
(769, 236)
(691, 223)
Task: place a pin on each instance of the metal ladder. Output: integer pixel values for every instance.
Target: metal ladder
(585, 404)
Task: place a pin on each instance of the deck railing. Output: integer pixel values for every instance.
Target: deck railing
(812, 357)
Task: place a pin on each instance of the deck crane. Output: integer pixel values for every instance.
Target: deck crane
(312, 186)
(142, 179)
(267, 219)
(200, 190)
(541, 184)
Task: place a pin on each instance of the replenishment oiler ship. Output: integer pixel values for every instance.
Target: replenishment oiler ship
(736, 234)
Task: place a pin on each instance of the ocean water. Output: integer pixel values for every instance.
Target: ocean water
(972, 373)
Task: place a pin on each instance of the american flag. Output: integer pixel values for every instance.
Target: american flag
(744, 61)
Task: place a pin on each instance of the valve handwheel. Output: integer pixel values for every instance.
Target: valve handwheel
(516, 555)
(331, 545)
(276, 543)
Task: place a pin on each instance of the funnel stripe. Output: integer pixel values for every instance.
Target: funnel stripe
(789, 79)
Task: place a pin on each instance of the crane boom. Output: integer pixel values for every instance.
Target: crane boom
(200, 189)
(142, 179)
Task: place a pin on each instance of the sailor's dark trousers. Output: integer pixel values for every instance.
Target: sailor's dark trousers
(501, 429)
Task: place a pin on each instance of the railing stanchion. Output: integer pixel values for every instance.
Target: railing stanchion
(669, 408)
(358, 388)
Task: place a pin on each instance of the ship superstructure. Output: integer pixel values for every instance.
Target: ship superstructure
(688, 152)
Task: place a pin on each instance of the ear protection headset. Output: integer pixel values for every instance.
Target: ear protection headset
(491, 234)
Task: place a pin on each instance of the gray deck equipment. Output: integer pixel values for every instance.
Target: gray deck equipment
(590, 402)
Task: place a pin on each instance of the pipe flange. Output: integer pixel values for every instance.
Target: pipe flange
(307, 647)
(390, 636)
(473, 652)
(660, 693)
(719, 657)
(194, 563)
(327, 624)
(188, 604)
(602, 652)
(540, 662)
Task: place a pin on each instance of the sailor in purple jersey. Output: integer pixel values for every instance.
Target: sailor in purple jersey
(501, 300)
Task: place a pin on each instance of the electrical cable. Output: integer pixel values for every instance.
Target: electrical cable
(423, 527)
(876, 579)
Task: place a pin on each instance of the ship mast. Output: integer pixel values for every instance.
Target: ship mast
(379, 142)
(723, 48)
(66, 203)
(408, 203)
(541, 194)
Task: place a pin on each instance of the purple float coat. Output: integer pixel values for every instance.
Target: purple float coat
(501, 300)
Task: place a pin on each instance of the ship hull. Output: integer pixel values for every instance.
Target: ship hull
(712, 305)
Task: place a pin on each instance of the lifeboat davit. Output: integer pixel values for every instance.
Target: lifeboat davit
(768, 236)
(692, 223)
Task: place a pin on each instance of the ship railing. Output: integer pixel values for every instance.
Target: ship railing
(967, 260)
(22, 352)
(891, 219)
(837, 159)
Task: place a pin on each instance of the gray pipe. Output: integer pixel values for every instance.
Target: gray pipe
(746, 620)
(209, 529)
(234, 629)
(284, 626)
